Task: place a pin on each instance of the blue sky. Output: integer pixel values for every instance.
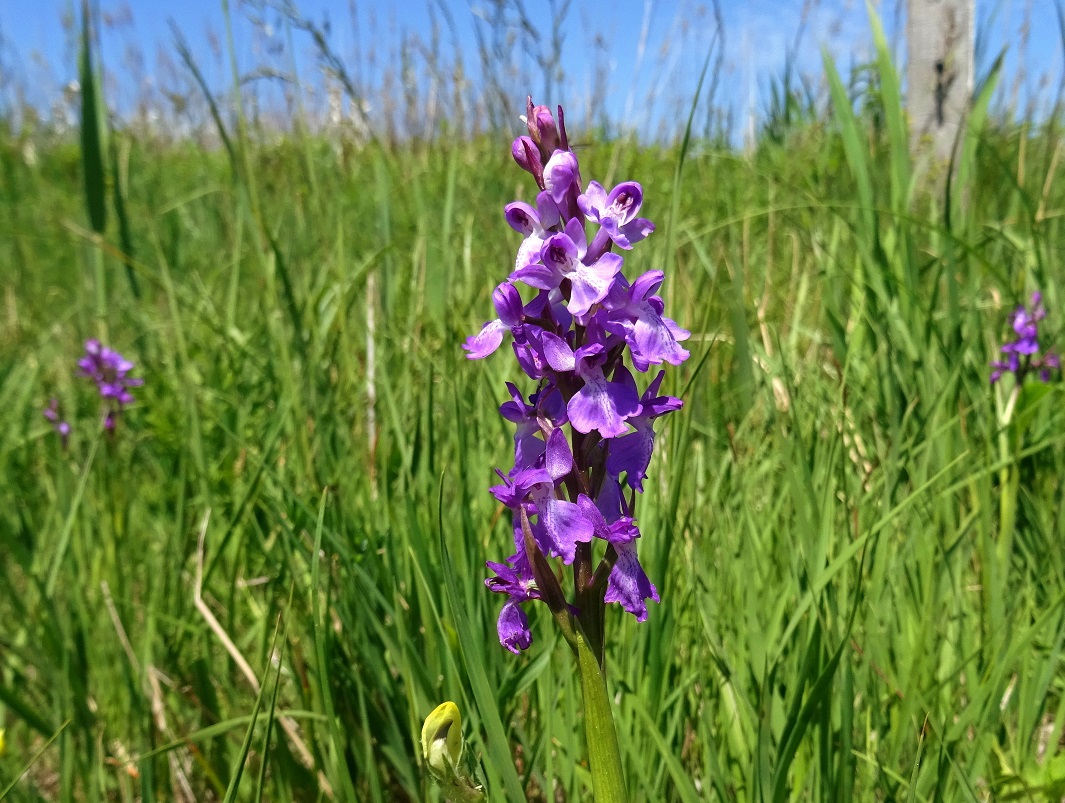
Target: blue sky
(36, 52)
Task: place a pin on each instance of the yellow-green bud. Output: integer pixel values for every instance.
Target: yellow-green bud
(442, 751)
(442, 739)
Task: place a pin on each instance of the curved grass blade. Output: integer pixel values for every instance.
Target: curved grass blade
(245, 748)
(32, 761)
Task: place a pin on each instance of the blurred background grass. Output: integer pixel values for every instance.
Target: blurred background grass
(245, 593)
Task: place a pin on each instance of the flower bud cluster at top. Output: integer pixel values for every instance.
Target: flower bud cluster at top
(1025, 355)
(572, 337)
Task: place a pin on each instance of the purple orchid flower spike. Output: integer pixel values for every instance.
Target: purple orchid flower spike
(631, 454)
(110, 371)
(616, 212)
(53, 414)
(580, 338)
(1023, 354)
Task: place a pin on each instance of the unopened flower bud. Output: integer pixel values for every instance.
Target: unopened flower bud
(442, 751)
(527, 155)
(508, 304)
(442, 739)
(543, 130)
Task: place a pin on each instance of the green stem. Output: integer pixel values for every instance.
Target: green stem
(608, 779)
(1009, 483)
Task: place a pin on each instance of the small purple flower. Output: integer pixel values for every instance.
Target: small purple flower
(534, 224)
(638, 318)
(1022, 354)
(630, 454)
(616, 212)
(559, 524)
(562, 257)
(53, 414)
(627, 584)
(600, 404)
(110, 371)
(517, 582)
(513, 627)
(508, 306)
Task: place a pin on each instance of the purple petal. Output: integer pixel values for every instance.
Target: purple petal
(609, 500)
(560, 253)
(630, 454)
(631, 233)
(628, 584)
(548, 210)
(523, 149)
(591, 283)
(558, 353)
(522, 218)
(528, 446)
(602, 405)
(560, 173)
(575, 231)
(513, 628)
(622, 531)
(486, 341)
(559, 460)
(646, 285)
(624, 201)
(562, 525)
(508, 304)
(542, 277)
(514, 491)
(653, 341)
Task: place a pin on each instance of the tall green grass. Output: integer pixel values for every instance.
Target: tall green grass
(839, 620)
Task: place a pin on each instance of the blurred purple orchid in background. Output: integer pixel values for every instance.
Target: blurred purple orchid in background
(110, 371)
(586, 428)
(53, 414)
(1023, 354)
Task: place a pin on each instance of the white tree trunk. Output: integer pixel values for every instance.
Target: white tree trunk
(939, 73)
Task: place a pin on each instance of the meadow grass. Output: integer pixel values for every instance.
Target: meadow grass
(261, 585)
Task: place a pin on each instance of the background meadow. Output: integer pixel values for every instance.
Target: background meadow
(271, 573)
